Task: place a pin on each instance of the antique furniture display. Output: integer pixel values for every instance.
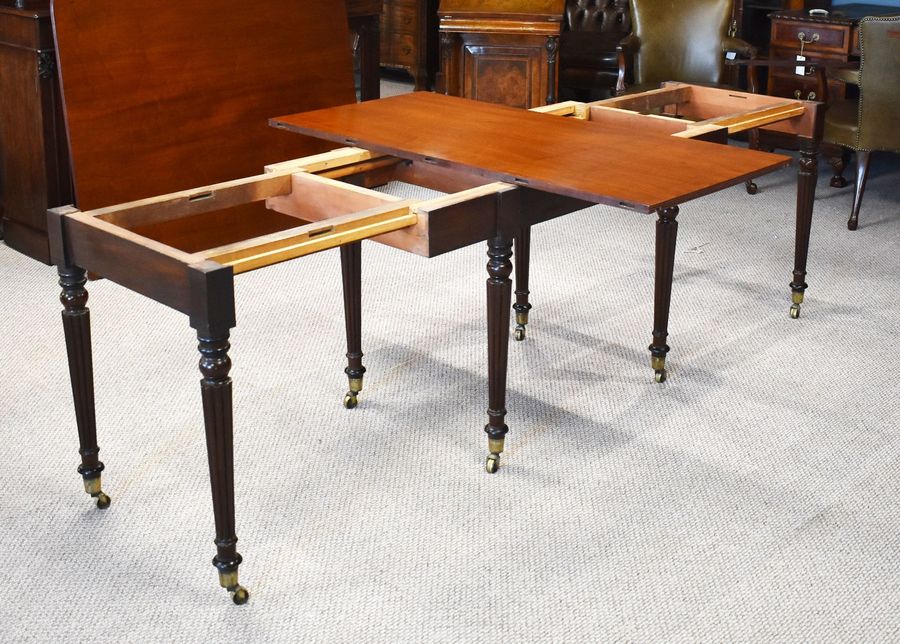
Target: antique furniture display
(688, 45)
(501, 51)
(871, 121)
(184, 248)
(833, 38)
(34, 164)
(364, 17)
(409, 39)
(588, 64)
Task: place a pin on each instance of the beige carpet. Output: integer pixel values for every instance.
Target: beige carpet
(755, 496)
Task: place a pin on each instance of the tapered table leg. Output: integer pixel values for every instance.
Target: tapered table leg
(666, 236)
(216, 391)
(77, 326)
(806, 194)
(351, 271)
(523, 259)
(499, 294)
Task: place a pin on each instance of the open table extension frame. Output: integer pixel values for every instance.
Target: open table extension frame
(531, 174)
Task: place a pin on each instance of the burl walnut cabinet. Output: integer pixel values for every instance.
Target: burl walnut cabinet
(409, 39)
(501, 51)
(34, 163)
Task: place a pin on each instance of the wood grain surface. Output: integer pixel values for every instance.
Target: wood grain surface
(166, 96)
(541, 151)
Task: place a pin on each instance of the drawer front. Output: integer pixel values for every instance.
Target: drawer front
(827, 38)
(402, 51)
(803, 88)
(403, 20)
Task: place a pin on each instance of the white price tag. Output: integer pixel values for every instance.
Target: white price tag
(800, 70)
(730, 55)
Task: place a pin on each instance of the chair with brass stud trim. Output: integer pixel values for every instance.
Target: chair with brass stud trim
(871, 122)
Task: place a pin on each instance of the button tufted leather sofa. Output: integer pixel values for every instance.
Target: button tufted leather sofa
(587, 47)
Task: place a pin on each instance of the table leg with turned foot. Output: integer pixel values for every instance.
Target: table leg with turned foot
(499, 294)
(806, 194)
(77, 327)
(523, 259)
(351, 271)
(666, 236)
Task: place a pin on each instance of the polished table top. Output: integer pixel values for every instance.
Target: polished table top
(565, 156)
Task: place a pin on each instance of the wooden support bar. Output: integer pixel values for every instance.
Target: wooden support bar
(619, 117)
(740, 121)
(324, 161)
(312, 238)
(648, 101)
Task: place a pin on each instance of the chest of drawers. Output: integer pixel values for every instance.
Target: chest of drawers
(409, 38)
(828, 38)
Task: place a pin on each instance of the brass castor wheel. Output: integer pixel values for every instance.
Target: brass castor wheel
(103, 501)
(795, 311)
(752, 188)
(838, 182)
(660, 375)
(492, 464)
(239, 595)
(350, 400)
(520, 333)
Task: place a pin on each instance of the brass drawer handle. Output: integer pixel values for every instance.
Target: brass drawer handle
(809, 97)
(802, 38)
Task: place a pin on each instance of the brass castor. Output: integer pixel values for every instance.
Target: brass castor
(350, 400)
(239, 595)
(660, 375)
(520, 333)
(492, 464)
(838, 182)
(103, 501)
(795, 311)
(852, 224)
(752, 188)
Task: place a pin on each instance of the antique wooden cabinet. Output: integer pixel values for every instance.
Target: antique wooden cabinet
(34, 165)
(834, 37)
(501, 51)
(409, 39)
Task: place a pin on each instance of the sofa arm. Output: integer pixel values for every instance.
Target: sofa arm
(625, 51)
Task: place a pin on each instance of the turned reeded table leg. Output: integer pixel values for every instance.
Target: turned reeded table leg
(216, 390)
(523, 259)
(806, 194)
(499, 294)
(351, 271)
(77, 326)
(666, 236)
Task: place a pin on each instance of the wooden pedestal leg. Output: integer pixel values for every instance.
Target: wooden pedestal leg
(499, 294)
(77, 326)
(523, 257)
(351, 270)
(806, 194)
(666, 236)
(216, 391)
